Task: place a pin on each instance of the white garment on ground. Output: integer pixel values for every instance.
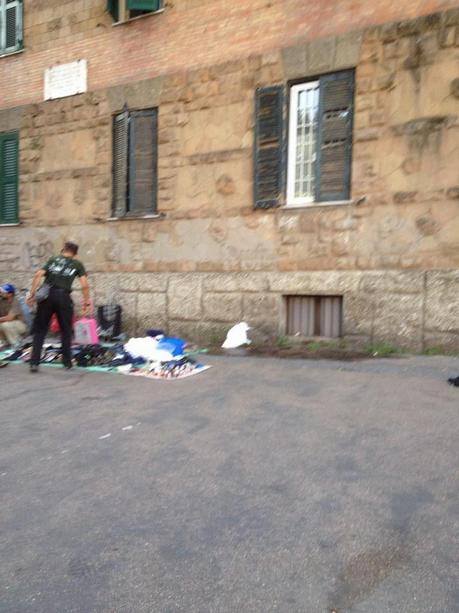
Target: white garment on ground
(237, 336)
(147, 348)
(13, 331)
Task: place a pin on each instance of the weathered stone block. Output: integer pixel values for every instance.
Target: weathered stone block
(206, 333)
(314, 282)
(398, 320)
(348, 48)
(262, 309)
(185, 297)
(128, 303)
(442, 301)
(321, 55)
(358, 313)
(403, 282)
(235, 282)
(441, 341)
(129, 282)
(105, 286)
(151, 311)
(225, 129)
(222, 307)
(74, 150)
(294, 61)
(153, 282)
(143, 94)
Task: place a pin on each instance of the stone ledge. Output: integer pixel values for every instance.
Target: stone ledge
(396, 282)
(314, 282)
(235, 282)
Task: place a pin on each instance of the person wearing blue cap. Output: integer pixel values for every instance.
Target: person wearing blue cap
(12, 325)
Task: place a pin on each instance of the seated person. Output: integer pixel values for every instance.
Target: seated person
(12, 325)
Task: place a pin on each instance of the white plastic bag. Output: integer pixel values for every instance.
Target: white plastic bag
(237, 336)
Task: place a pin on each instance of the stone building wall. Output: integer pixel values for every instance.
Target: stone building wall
(209, 259)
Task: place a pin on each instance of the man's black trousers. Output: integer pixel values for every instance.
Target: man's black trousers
(60, 303)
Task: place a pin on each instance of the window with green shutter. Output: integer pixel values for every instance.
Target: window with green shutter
(10, 26)
(123, 10)
(135, 155)
(9, 175)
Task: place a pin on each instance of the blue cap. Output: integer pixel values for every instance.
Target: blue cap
(8, 288)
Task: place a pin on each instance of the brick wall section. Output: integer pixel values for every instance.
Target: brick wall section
(59, 31)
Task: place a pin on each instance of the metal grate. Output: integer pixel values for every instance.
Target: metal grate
(315, 316)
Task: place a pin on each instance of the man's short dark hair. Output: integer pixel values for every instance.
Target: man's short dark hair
(71, 247)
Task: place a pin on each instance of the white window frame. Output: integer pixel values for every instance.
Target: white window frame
(4, 4)
(295, 90)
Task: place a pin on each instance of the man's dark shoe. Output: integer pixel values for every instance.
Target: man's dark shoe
(68, 365)
(33, 368)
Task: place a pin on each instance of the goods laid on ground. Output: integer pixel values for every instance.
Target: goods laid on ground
(156, 358)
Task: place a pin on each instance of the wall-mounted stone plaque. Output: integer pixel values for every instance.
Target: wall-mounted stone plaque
(66, 80)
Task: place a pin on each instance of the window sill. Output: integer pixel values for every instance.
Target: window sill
(10, 53)
(137, 217)
(10, 225)
(309, 205)
(122, 23)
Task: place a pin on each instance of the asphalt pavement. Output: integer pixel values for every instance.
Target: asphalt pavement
(260, 485)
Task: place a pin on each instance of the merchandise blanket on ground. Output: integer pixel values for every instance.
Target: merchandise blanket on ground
(165, 362)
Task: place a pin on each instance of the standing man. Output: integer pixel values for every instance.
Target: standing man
(12, 325)
(58, 273)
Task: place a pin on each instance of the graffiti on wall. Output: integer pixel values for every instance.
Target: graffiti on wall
(36, 254)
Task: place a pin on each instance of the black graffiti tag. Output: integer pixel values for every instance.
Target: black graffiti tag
(35, 255)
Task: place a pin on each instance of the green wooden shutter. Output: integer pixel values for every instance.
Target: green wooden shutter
(334, 151)
(13, 26)
(9, 173)
(269, 147)
(113, 9)
(144, 5)
(120, 164)
(143, 162)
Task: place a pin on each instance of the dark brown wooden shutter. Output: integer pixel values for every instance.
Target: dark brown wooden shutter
(9, 176)
(269, 148)
(120, 164)
(143, 156)
(334, 153)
